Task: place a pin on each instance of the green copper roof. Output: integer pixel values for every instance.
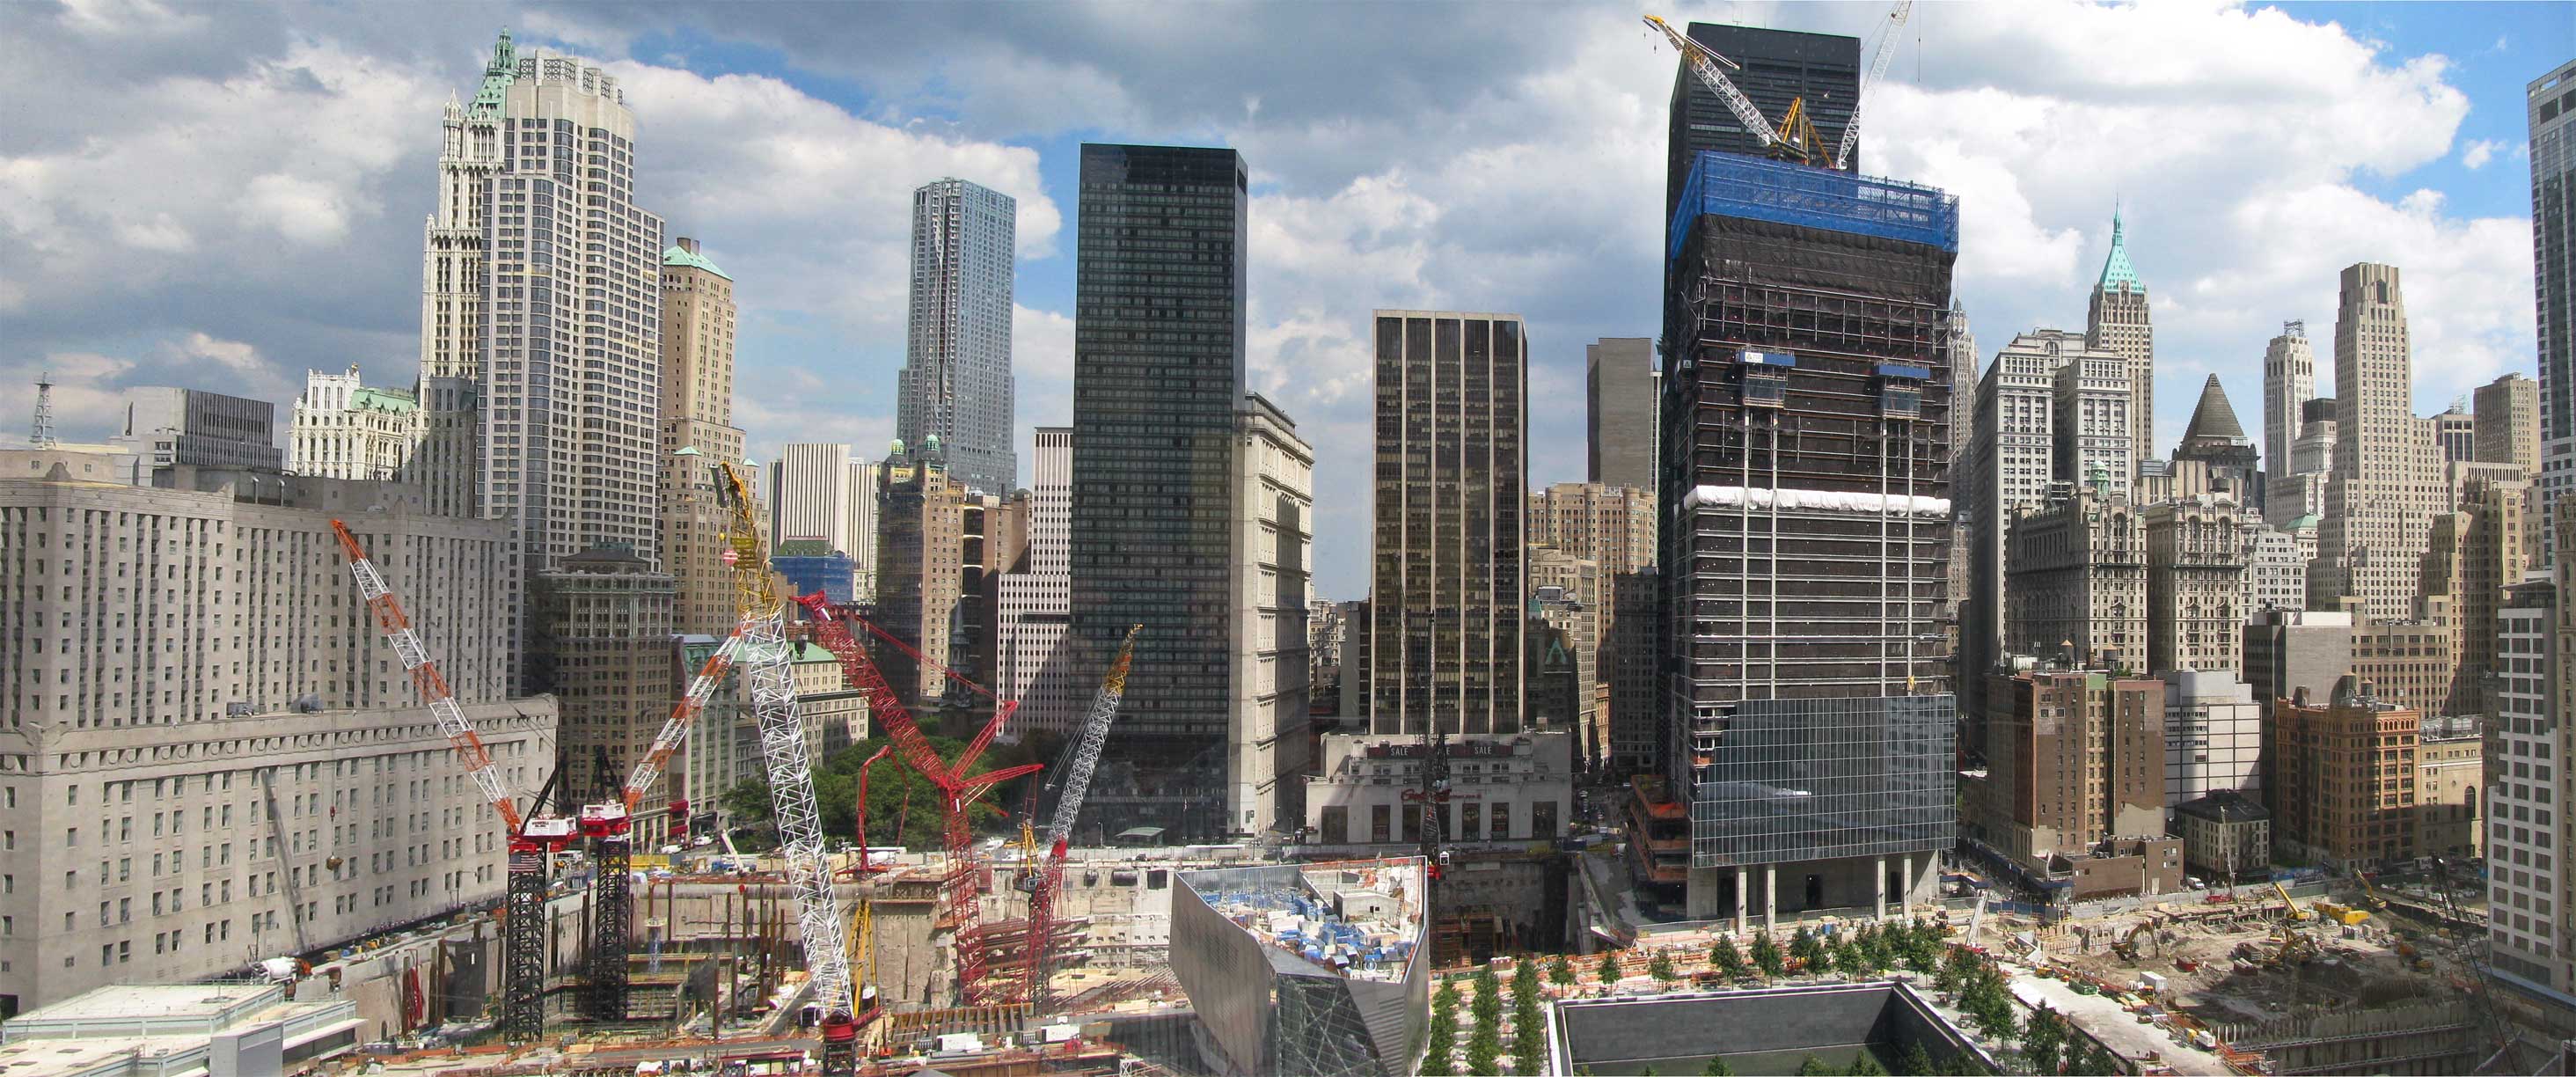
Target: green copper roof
(680, 256)
(686, 450)
(497, 77)
(2307, 522)
(2116, 271)
(383, 399)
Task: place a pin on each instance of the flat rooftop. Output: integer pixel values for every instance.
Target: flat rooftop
(1360, 919)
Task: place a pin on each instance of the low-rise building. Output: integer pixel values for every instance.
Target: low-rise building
(1295, 969)
(2450, 765)
(2345, 779)
(153, 1030)
(1503, 788)
(2225, 837)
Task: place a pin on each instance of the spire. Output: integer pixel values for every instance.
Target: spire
(43, 433)
(2116, 272)
(497, 77)
(2213, 420)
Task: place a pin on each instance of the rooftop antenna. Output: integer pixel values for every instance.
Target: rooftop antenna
(43, 435)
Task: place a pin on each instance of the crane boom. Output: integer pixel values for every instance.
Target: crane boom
(1877, 68)
(684, 716)
(1704, 62)
(396, 626)
(1076, 783)
(790, 768)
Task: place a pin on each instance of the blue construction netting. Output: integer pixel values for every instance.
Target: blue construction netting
(1733, 185)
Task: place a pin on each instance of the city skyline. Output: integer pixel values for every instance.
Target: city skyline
(1337, 231)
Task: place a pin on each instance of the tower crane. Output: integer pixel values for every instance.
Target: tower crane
(532, 838)
(1896, 17)
(1708, 65)
(1044, 884)
(960, 890)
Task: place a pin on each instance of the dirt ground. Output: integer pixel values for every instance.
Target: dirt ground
(2224, 964)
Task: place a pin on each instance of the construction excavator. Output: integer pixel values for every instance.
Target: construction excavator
(2127, 944)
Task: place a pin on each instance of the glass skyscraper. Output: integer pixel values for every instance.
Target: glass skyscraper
(1158, 377)
(956, 382)
(1805, 534)
(2551, 99)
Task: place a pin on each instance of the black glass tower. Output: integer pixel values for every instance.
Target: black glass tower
(1780, 66)
(1158, 378)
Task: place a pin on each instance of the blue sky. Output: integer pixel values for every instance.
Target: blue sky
(227, 195)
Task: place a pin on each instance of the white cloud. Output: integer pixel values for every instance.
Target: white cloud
(2480, 152)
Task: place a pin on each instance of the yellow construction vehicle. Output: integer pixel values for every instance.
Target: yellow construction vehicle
(2370, 893)
(2127, 944)
(2341, 914)
(2296, 913)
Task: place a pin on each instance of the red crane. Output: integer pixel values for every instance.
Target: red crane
(960, 891)
(1037, 933)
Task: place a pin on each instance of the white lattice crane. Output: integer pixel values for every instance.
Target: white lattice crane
(1075, 784)
(1877, 69)
(1709, 66)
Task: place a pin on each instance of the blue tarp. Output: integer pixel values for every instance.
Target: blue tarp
(1755, 188)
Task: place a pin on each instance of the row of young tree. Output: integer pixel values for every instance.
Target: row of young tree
(2047, 1043)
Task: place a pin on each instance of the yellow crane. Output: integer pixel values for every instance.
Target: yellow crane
(2296, 913)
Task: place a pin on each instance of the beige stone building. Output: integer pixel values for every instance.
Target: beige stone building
(1611, 525)
(2387, 483)
(2508, 422)
(697, 434)
(2407, 663)
(1584, 587)
(343, 429)
(208, 755)
(2195, 585)
(1273, 573)
(2472, 555)
(921, 559)
(2077, 582)
(2117, 320)
(2450, 767)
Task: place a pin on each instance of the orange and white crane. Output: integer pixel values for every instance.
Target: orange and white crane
(1877, 69)
(532, 837)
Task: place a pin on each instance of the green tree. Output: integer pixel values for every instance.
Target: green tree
(1852, 959)
(1444, 1039)
(2093, 1061)
(1561, 972)
(1812, 1066)
(1484, 1046)
(1525, 987)
(1914, 1060)
(1488, 1006)
(1717, 1067)
(1608, 972)
(892, 786)
(1661, 968)
(1528, 1046)
(1766, 955)
(1447, 997)
(1866, 1065)
(1723, 958)
(1953, 977)
(1809, 952)
(2043, 1039)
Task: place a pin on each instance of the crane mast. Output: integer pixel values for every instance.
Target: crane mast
(1704, 62)
(1075, 785)
(531, 839)
(960, 902)
(1877, 68)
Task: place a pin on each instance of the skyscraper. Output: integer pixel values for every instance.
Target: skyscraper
(1035, 666)
(571, 389)
(1776, 67)
(2551, 101)
(824, 493)
(453, 303)
(2386, 483)
(1805, 533)
(2289, 379)
(1447, 584)
(1158, 381)
(2116, 320)
(956, 382)
(697, 433)
(2508, 422)
(1619, 412)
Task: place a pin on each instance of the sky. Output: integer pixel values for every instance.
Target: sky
(224, 196)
